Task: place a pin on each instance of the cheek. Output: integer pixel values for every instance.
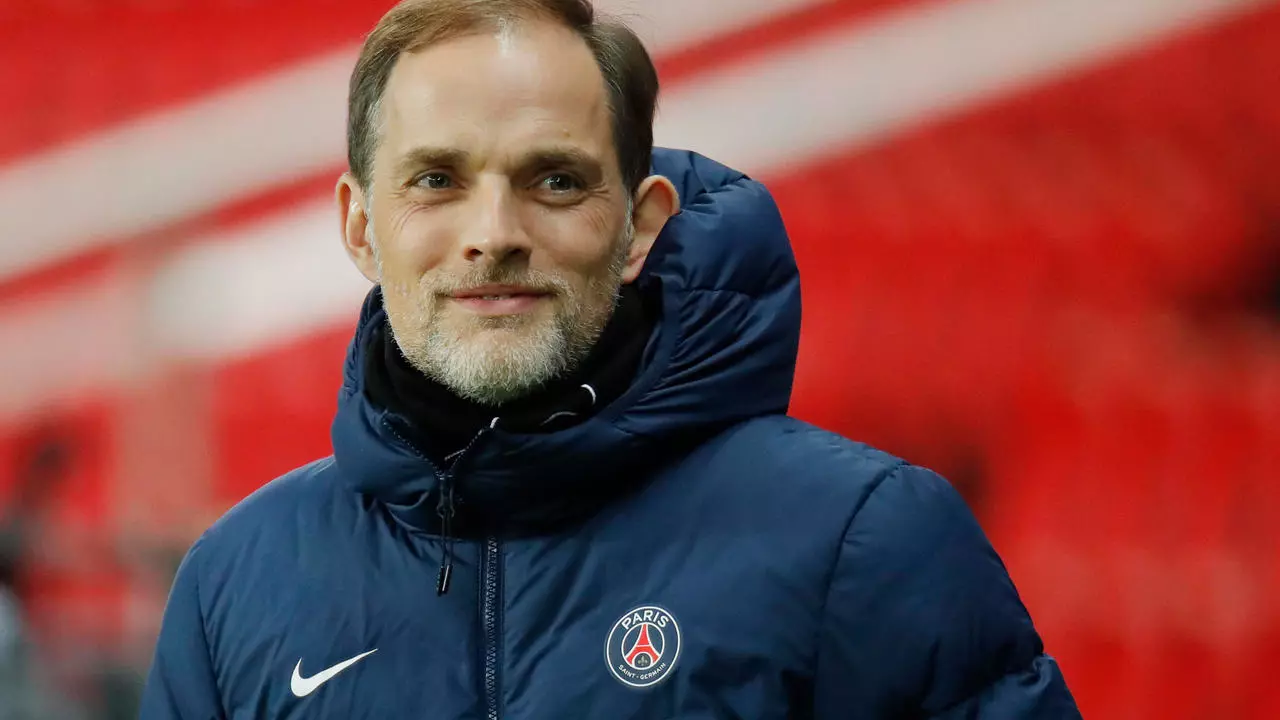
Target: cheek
(410, 245)
(584, 243)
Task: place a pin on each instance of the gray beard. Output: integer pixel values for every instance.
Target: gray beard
(507, 358)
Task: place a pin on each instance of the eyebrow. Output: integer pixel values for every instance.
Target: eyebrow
(542, 158)
(537, 159)
(428, 156)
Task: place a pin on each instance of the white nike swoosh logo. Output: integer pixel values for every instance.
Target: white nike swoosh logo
(303, 687)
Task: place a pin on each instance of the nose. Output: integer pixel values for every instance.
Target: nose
(497, 233)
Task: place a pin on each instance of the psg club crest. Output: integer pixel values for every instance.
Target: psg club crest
(643, 646)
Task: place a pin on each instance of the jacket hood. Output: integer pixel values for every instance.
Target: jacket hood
(722, 352)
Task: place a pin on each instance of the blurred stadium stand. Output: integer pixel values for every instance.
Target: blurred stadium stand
(1060, 288)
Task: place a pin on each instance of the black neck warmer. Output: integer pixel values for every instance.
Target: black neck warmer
(444, 423)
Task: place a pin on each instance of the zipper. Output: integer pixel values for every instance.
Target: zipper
(490, 567)
(446, 508)
(490, 584)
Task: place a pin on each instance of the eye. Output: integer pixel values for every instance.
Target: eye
(561, 183)
(435, 181)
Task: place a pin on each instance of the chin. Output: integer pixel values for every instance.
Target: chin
(498, 328)
(508, 340)
(493, 371)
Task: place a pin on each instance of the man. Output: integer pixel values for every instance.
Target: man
(563, 482)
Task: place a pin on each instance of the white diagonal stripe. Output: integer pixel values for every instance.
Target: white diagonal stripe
(910, 65)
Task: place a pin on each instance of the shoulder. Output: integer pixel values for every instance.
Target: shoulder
(842, 486)
(810, 458)
(276, 512)
(308, 485)
(877, 492)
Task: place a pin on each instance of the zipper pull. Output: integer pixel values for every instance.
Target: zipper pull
(446, 510)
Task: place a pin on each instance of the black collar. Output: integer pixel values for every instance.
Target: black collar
(444, 423)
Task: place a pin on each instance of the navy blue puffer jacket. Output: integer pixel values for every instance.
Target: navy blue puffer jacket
(703, 555)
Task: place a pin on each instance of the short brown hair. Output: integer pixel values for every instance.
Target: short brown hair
(630, 77)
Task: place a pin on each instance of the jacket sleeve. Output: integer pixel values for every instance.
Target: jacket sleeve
(181, 684)
(923, 621)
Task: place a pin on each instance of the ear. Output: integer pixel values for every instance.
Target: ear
(656, 201)
(356, 238)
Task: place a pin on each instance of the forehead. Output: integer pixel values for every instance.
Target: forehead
(499, 93)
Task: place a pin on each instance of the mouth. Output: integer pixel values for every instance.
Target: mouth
(497, 300)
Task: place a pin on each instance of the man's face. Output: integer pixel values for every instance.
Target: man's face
(497, 215)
